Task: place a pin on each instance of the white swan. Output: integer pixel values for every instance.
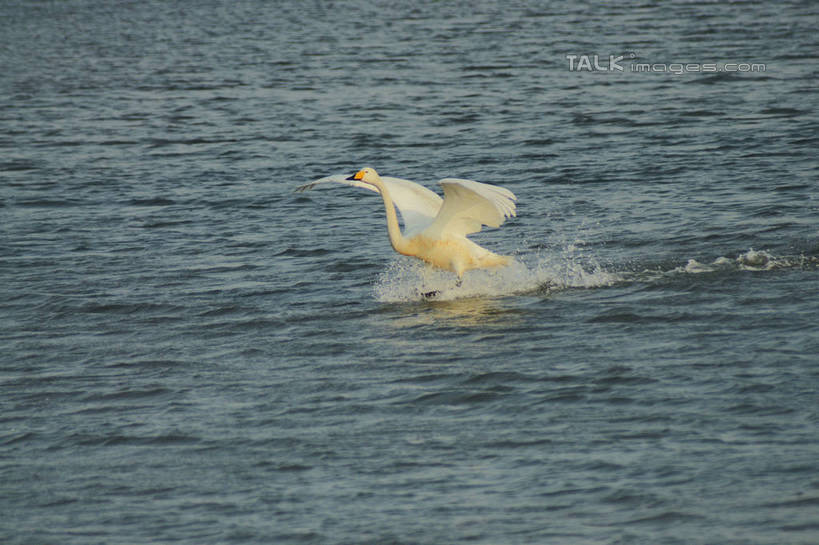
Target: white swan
(435, 229)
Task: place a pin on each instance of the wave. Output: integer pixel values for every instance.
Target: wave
(407, 280)
(752, 260)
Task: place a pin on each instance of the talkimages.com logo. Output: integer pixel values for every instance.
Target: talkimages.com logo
(628, 63)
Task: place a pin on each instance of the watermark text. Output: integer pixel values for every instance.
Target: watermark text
(627, 63)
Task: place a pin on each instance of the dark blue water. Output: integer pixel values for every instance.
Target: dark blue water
(191, 352)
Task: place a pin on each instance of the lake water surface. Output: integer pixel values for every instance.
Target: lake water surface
(191, 352)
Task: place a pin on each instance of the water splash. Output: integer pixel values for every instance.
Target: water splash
(410, 280)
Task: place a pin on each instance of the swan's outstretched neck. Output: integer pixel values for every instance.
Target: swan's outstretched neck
(396, 238)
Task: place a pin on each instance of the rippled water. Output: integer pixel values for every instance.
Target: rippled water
(192, 352)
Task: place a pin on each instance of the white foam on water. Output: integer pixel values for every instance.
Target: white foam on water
(752, 260)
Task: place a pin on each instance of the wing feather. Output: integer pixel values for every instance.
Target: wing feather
(468, 205)
(335, 178)
(417, 205)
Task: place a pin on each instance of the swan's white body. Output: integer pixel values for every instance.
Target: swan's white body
(435, 229)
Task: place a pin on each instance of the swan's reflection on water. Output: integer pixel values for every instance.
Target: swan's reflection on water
(460, 331)
(466, 312)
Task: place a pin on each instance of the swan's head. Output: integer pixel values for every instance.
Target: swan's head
(367, 175)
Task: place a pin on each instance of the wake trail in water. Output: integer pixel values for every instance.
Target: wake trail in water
(410, 280)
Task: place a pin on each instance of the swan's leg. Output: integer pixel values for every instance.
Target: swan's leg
(425, 280)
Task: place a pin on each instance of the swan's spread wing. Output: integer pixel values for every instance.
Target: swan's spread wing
(335, 178)
(468, 205)
(417, 205)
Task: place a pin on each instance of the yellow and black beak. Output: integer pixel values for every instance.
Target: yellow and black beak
(357, 176)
